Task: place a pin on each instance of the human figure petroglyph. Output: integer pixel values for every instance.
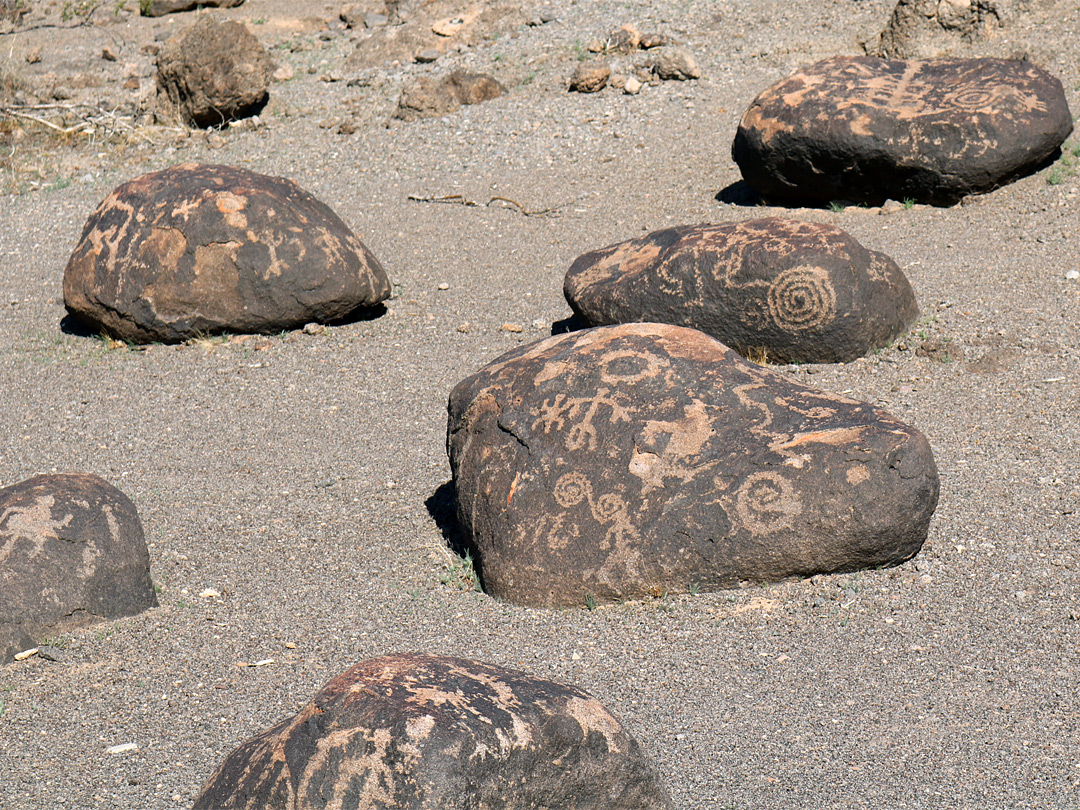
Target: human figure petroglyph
(559, 410)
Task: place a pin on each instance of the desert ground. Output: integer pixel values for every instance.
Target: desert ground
(303, 477)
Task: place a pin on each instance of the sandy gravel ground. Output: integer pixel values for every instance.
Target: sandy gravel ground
(297, 475)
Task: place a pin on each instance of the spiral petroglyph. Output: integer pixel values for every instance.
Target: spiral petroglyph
(802, 298)
(571, 489)
(767, 502)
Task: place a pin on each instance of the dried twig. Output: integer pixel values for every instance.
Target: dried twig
(458, 199)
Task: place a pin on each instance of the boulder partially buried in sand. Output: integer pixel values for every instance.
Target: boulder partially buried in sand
(638, 459)
(863, 129)
(793, 292)
(414, 732)
(72, 551)
(200, 249)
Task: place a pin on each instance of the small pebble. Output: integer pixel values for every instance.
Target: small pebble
(108, 54)
(123, 748)
(22, 656)
(209, 593)
(50, 653)
(444, 286)
(465, 328)
(427, 56)
(512, 327)
(314, 329)
(1072, 275)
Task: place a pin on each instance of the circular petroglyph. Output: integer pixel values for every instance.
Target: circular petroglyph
(628, 366)
(571, 489)
(802, 298)
(767, 502)
(608, 507)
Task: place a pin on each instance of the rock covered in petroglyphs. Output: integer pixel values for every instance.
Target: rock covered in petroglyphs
(201, 249)
(920, 29)
(642, 458)
(421, 731)
(215, 72)
(159, 8)
(71, 551)
(797, 292)
(864, 129)
(427, 97)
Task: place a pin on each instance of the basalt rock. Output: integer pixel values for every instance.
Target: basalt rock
(201, 249)
(863, 129)
(919, 29)
(639, 459)
(419, 731)
(72, 551)
(159, 8)
(215, 72)
(794, 292)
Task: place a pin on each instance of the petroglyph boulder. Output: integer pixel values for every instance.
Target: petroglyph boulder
(71, 551)
(864, 129)
(640, 459)
(797, 292)
(421, 731)
(202, 249)
(215, 72)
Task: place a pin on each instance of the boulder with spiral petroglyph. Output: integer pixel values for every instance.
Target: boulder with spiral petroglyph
(422, 731)
(794, 292)
(638, 459)
(72, 551)
(200, 249)
(864, 129)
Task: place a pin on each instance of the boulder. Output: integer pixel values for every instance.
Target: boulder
(199, 249)
(920, 29)
(430, 98)
(790, 291)
(863, 129)
(72, 551)
(215, 72)
(413, 732)
(638, 459)
(675, 64)
(159, 8)
(590, 77)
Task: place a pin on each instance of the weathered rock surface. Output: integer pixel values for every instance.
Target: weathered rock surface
(201, 249)
(214, 72)
(159, 8)
(797, 292)
(863, 129)
(428, 97)
(921, 29)
(590, 77)
(72, 551)
(420, 731)
(646, 458)
(675, 64)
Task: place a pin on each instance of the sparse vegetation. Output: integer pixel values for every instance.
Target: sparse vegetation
(460, 574)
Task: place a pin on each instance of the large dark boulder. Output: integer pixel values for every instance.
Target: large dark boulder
(159, 8)
(794, 292)
(72, 551)
(413, 732)
(639, 459)
(214, 72)
(863, 129)
(201, 249)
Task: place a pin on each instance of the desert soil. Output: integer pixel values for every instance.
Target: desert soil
(303, 476)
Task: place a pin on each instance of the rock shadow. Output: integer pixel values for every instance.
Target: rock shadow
(566, 325)
(442, 506)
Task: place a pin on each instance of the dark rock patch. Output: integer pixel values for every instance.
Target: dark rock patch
(214, 72)
(421, 731)
(159, 8)
(864, 130)
(72, 551)
(638, 459)
(799, 292)
(198, 249)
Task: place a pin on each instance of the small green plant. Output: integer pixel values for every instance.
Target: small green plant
(3, 707)
(580, 50)
(836, 207)
(78, 8)
(908, 203)
(1066, 165)
(259, 21)
(590, 602)
(460, 574)
(60, 642)
(59, 183)
(145, 6)
(415, 594)
(529, 77)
